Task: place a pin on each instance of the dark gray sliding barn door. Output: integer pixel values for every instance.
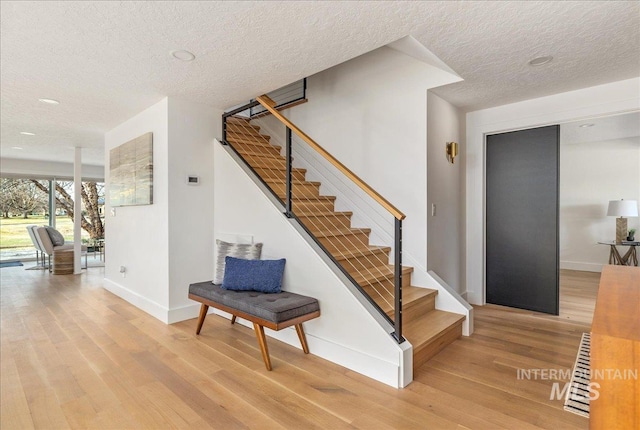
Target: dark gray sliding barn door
(522, 255)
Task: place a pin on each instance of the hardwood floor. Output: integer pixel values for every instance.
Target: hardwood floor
(75, 356)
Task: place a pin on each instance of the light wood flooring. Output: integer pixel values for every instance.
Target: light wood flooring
(75, 356)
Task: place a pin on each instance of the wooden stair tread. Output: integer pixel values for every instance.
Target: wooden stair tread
(235, 124)
(357, 252)
(317, 214)
(410, 294)
(340, 232)
(323, 199)
(283, 169)
(295, 182)
(237, 143)
(248, 135)
(428, 327)
(256, 153)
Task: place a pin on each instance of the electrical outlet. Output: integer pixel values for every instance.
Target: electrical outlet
(433, 209)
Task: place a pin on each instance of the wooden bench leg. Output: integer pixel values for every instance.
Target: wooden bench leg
(233, 319)
(302, 337)
(203, 314)
(262, 341)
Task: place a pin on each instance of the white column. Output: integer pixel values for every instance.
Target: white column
(52, 203)
(77, 211)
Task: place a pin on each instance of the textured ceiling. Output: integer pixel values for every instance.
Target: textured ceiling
(107, 61)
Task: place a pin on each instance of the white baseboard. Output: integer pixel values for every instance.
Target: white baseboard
(152, 308)
(584, 267)
(367, 365)
(183, 313)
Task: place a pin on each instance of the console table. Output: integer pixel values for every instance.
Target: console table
(630, 258)
(615, 346)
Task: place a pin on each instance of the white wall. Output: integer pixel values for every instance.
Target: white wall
(445, 189)
(370, 113)
(346, 333)
(192, 129)
(168, 244)
(591, 174)
(616, 97)
(137, 237)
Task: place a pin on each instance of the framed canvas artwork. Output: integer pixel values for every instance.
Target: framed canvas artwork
(131, 172)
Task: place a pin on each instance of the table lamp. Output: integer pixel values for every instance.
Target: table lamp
(622, 209)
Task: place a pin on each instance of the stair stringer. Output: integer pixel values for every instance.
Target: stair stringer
(367, 214)
(349, 332)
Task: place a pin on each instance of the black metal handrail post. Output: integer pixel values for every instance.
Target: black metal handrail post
(398, 281)
(224, 130)
(289, 203)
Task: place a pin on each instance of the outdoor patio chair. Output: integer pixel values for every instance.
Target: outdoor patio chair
(36, 244)
(48, 247)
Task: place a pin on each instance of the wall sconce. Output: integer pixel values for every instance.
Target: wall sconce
(451, 150)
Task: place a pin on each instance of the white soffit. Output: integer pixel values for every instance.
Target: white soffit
(410, 46)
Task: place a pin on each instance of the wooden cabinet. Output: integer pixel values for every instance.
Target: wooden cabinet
(615, 350)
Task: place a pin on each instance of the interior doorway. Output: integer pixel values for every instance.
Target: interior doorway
(522, 256)
(599, 161)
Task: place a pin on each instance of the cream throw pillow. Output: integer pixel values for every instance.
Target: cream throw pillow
(237, 250)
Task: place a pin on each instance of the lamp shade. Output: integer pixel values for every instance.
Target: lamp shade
(623, 208)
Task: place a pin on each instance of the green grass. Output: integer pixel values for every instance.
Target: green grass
(13, 231)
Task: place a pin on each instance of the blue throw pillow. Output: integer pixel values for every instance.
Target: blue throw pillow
(253, 275)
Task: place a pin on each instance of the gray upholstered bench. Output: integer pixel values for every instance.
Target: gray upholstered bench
(274, 311)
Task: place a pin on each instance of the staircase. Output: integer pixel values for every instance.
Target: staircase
(429, 330)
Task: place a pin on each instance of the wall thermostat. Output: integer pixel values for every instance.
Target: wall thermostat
(193, 180)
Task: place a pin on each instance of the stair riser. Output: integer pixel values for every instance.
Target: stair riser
(424, 353)
(279, 174)
(247, 137)
(264, 162)
(253, 146)
(239, 127)
(310, 190)
(253, 142)
(320, 206)
(338, 243)
(382, 296)
(242, 130)
(264, 152)
(321, 223)
(387, 282)
(363, 262)
(418, 308)
(236, 120)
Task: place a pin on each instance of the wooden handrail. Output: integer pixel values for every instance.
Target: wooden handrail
(269, 104)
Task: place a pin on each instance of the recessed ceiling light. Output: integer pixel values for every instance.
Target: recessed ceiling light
(183, 55)
(49, 101)
(586, 125)
(17, 147)
(540, 61)
(27, 133)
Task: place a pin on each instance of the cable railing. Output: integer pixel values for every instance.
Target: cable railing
(366, 266)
